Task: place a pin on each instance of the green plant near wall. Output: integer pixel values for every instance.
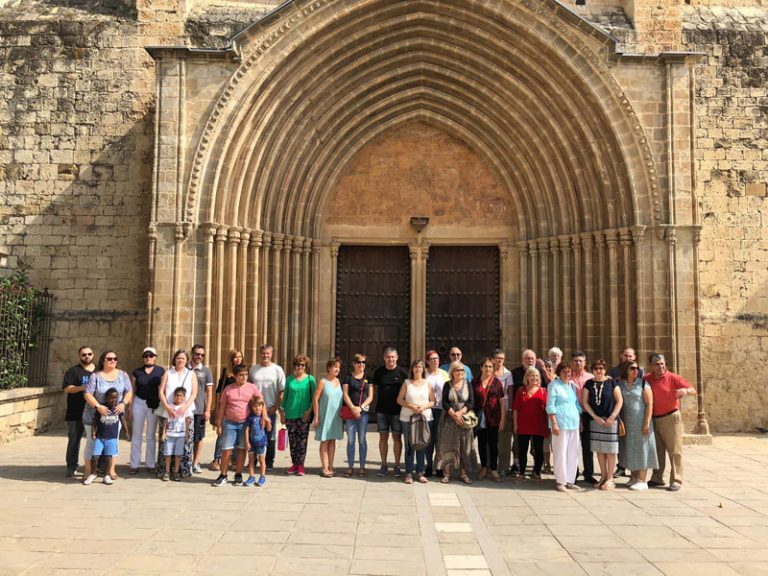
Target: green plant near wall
(19, 310)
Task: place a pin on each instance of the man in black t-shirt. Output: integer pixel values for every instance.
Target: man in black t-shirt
(75, 380)
(387, 380)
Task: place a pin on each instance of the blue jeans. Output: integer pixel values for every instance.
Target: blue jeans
(359, 428)
(409, 452)
(233, 435)
(75, 431)
(434, 425)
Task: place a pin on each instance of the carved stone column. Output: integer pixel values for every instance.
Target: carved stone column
(565, 275)
(229, 331)
(505, 293)
(218, 298)
(544, 316)
(264, 291)
(638, 233)
(612, 241)
(585, 279)
(306, 295)
(534, 305)
(419, 255)
(276, 329)
(628, 321)
(285, 295)
(335, 246)
(297, 281)
(253, 337)
(523, 300)
(241, 328)
(209, 234)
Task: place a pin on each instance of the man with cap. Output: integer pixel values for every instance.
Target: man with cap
(146, 386)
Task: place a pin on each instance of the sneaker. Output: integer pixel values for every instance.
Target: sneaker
(220, 481)
(560, 488)
(535, 476)
(238, 481)
(89, 480)
(165, 477)
(300, 470)
(638, 486)
(292, 470)
(619, 472)
(177, 477)
(133, 471)
(513, 471)
(655, 484)
(591, 480)
(632, 482)
(250, 482)
(398, 472)
(262, 480)
(108, 480)
(428, 472)
(70, 473)
(382, 471)
(673, 487)
(197, 469)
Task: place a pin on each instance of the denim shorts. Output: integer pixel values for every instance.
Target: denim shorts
(174, 446)
(258, 451)
(389, 423)
(105, 447)
(232, 435)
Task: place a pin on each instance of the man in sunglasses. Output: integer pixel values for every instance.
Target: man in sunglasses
(270, 380)
(75, 380)
(455, 355)
(146, 386)
(203, 402)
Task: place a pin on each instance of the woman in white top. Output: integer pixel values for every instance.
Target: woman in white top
(437, 377)
(416, 397)
(178, 376)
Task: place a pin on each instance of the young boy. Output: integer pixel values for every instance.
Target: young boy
(257, 429)
(105, 433)
(175, 435)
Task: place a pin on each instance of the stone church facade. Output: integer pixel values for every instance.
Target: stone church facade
(335, 175)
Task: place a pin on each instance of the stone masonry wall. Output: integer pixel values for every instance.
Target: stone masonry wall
(76, 142)
(732, 169)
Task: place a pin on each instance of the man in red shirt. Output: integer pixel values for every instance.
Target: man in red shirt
(667, 390)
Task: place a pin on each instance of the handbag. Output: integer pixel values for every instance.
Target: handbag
(419, 432)
(470, 420)
(346, 411)
(622, 429)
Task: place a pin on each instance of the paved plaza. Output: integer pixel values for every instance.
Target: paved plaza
(51, 525)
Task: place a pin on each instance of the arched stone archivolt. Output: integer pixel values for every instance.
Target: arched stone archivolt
(526, 88)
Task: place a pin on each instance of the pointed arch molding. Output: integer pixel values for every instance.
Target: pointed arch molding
(525, 83)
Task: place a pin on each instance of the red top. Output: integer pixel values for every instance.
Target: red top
(489, 400)
(531, 411)
(664, 398)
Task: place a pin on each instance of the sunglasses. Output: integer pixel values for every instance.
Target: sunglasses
(454, 355)
(148, 355)
(111, 359)
(201, 354)
(356, 362)
(298, 364)
(634, 368)
(86, 355)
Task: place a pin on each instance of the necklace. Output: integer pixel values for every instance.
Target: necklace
(599, 394)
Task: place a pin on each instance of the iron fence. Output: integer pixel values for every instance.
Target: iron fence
(25, 335)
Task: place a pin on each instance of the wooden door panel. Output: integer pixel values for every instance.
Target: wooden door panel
(373, 301)
(463, 301)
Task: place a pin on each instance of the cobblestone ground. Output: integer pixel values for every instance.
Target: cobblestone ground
(717, 524)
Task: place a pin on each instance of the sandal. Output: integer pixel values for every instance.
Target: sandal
(445, 479)
(325, 474)
(348, 473)
(495, 476)
(362, 473)
(466, 479)
(482, 473)
(408, 479)
(423, 479)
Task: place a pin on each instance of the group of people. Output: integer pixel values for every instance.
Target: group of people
(551, 409)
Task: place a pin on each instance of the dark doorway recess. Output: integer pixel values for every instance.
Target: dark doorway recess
(463, 301)
(373, 303)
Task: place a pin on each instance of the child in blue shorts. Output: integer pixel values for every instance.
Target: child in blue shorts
(175, 436)
(106, 430)
(257, 429)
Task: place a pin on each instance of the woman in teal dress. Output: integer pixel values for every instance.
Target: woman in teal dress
(327, 404)
(637, 448)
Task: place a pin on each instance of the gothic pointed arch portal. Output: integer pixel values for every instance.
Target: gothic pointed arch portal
(513, 124)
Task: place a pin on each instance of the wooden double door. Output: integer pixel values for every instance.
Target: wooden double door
(375, 302)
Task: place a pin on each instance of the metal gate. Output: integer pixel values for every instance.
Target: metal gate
(373, 303)
(463, 301)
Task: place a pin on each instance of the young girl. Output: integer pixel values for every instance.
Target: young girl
(257, 429)
(327, 406)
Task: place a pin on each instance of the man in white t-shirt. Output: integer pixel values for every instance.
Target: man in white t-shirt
(203, 402)
(270, 380)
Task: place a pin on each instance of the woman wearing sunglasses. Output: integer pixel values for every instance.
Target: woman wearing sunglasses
(637, 448)
(296, 411)
(357, 398)
(106, 376)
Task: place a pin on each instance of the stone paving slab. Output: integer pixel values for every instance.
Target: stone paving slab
(717, 524)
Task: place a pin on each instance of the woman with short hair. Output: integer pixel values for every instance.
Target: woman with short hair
(296, 411)
(602, 400)
(326, 403)
(564, 413)
(416, 397)
(179, 375)
(455, 437)
(530, 421)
